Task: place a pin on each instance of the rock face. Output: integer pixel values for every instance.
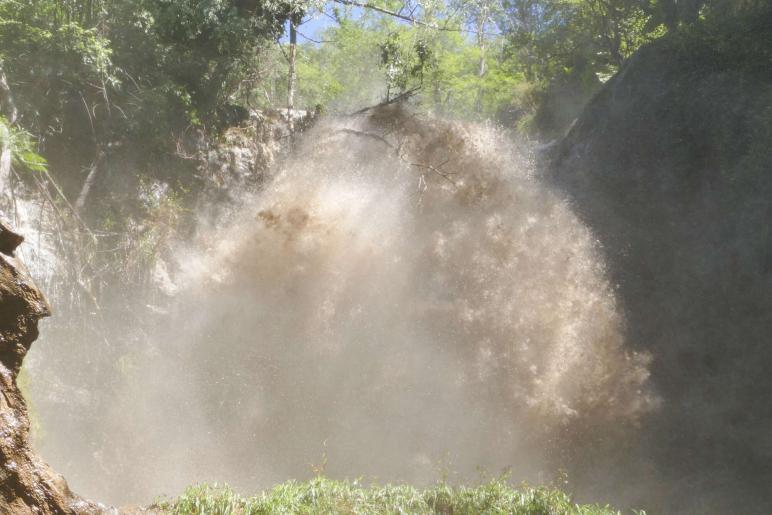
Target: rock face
(670, 165)
(243, 155)
(27, 485)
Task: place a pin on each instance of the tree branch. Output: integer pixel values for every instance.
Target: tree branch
(398, 152)
(399, 98)
(367, 5)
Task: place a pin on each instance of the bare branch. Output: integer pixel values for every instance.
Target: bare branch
(314, 40)
(399, 98)
(370, 135)
(367, 5)
(398, 152)
(412, 19)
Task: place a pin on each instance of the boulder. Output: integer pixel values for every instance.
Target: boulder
(669, 165)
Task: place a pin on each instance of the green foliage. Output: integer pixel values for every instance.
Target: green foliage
(126, 84)
(365, 60)
(201, 43)
(22, 147)
(92, 76)
(514, 61)
(405, 57)
(53, 63)
(87, 72)
(344, 73)
(322, 495)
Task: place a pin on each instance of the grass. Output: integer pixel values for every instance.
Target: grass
(326, 496)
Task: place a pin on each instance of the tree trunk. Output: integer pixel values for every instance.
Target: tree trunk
(481, 65)
(481, 44)
(80, 203)
(5, 163)
(292, 75)
(8, 109)
(6, 100)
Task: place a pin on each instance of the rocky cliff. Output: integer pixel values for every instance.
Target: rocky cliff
(671, 166)
(27, 485)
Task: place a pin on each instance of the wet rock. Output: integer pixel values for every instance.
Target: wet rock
(670, 166)
(9, 240)
(27, 484)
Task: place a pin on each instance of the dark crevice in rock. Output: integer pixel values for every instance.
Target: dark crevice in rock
(9, 240)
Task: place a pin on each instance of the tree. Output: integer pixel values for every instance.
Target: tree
(480, 15)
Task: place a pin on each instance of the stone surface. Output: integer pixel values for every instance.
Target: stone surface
(9, 240)
(27, 484)
(670, 166)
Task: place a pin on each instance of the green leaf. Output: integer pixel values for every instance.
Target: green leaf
(32, 161)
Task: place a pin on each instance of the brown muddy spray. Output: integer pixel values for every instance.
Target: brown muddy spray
(404, 299)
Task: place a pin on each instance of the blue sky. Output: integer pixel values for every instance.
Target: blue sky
(313, 26)
(315, 23)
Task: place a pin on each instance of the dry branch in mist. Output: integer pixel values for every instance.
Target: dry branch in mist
(399, 98)
(398, 151)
